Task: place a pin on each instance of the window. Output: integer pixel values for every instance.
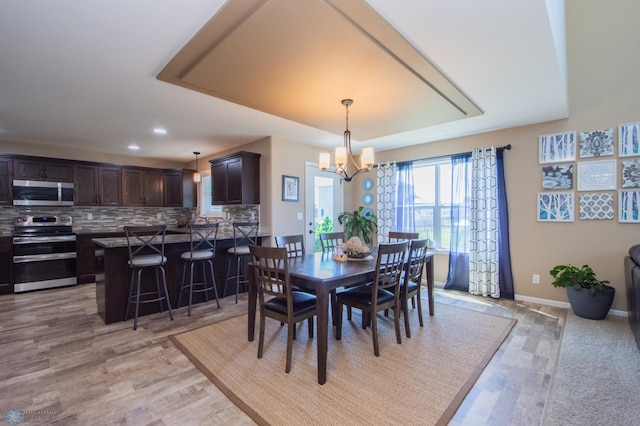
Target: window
(432, 203)
(206, 209)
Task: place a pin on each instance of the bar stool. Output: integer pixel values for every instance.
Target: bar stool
(202, 249)
(143, 242)
(244, 234)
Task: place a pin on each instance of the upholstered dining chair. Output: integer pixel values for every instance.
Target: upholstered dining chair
(285, 305)
(146, 251)
(244, 234)
(401, 236)
(383, 293)
(330, 240)
(293, 243)
(202, 249)
(411, 280)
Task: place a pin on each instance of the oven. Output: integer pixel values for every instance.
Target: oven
(44, 253)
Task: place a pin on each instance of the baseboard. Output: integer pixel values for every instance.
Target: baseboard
(565, 305)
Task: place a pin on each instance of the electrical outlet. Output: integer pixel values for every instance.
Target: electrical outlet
(535, 279)
(299, 215)
(159, 216)
(89, 216)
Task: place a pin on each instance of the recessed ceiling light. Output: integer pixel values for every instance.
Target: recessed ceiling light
(160, 131)
(134, 147)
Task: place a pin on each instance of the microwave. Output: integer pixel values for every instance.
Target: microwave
(42, 193)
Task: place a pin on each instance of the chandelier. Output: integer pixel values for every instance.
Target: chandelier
(344, 155)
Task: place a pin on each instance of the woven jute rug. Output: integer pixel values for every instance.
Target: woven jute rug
(419, 382)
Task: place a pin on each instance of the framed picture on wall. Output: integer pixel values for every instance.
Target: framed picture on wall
(557, 176)
(596, 144)
(597, 175)
(629, 206)
(557, 147)
(556, 206)
(290, 188)
(628, 143)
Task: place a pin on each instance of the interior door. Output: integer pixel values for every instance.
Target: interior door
(323, 204)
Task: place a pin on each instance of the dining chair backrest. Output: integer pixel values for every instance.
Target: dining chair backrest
(330, 240)
(271, 272)
(293, 243)
(401, 236)
(203, 237)
(389, 266)
(415, 261)
(245, 233)
(146, 241)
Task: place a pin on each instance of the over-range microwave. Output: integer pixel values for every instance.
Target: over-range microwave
(42, 193)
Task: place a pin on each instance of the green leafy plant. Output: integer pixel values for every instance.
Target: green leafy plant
(578, 278)
(357, 225)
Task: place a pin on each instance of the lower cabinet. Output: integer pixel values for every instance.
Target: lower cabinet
(86, 255)
(6, 260)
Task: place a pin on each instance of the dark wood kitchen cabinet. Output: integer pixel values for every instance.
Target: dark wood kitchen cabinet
(179, 188)
(235, 179)
(142, 187)
(6, 184)
(97, 185)
(6, 260)
(43, 169)
(86, 255)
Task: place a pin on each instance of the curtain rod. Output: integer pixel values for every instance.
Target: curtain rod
(501, 148)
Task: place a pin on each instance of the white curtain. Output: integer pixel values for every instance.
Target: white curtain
(386, 191)
(484, 236)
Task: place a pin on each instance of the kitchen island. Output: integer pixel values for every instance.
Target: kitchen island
(113, 273)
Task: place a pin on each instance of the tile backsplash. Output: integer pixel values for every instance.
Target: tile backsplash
(112, 219)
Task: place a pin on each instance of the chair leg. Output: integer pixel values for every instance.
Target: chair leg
(135, 318)
(291, 329)
(132, 281)
(396, 320)
(166, 292)
(238, 277)
(374, 332)
(338, 320)
(419, 308)
(184, 273)
(213, 280)
(261, 338)
(310, 324)
(407, 327)
(158, 290)
(190, 288)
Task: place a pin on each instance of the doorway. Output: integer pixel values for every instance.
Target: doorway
(323, 204)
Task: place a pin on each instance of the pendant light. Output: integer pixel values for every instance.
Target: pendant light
(196, 176)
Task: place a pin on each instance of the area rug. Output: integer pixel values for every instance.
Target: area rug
(421, 381)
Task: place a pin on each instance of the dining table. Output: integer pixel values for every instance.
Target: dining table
(322, 274)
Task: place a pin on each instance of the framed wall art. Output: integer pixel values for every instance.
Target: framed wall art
(596, 206)
(630, 173)
(597, 175)
(628, 144)
(629, 206)
(556, 206)
(290, 188)
(557, 176)
(557, 147)
(596, 144)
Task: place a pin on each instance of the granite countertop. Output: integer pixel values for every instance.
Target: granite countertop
(168, 239)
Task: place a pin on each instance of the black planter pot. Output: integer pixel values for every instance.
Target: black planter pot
(591, 306)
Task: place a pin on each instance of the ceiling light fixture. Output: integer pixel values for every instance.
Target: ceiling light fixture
(196, 176)
(133, 147)
(160, 131)
(344, 154)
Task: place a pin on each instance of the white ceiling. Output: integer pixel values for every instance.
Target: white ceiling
(83, 74)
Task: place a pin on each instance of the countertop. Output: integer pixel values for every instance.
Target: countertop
(115, 242)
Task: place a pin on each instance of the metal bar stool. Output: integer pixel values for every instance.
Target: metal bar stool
(244, 234)
(202, 249)
(143, 242)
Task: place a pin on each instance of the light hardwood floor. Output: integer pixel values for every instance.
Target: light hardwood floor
(59, 363)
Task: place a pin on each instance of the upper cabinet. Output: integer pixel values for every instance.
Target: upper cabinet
(179, 188)
(6, 176)
(97, 185)
(235, 179)
(142, 187)
(43, 169)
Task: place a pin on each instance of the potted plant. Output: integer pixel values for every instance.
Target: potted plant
(588, 296)
(358, 225)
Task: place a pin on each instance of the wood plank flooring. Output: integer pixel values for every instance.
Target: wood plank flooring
(59, 363)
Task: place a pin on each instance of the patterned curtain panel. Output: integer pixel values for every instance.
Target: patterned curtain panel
(484, 237)
(405, 198)
(386, 177)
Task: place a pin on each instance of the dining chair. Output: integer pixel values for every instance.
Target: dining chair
(202, 249)
(146, 251)
(293, 243)
(244, 234)
(383, 293)
(286, 305)
(400, 236)
(330, 240)
(412, 280)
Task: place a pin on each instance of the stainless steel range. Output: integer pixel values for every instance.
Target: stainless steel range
(44, 253)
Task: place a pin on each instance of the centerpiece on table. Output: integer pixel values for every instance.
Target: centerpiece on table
(352, 249)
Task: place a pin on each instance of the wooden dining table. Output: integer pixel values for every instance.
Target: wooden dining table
(322, 274)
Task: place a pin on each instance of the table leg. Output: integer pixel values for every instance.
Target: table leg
(429, 269)
(322, 302)
(253, 296)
